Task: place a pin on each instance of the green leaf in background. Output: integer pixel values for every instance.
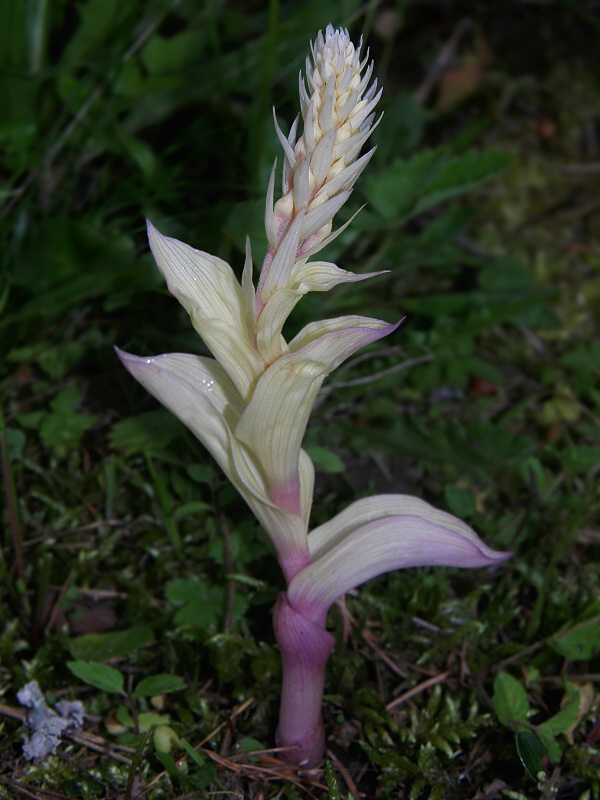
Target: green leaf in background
(98, 20)
(50, 268)
(395, 190)
(476, 446)
(429, 178)
(151, 432)
(324, 459)
(581, 460)
(201, 473)
(583, 361)
(246, 218)
(56, 361)
(434, 246)
(552, 746)
(115, 644)
(165, 738)
(123, 716)
(158, 684)
(503, 275)
(578, 643)
(189, 509)
(170, 767)
(166, 56)
(100, 676)
(202, 605)
(250, 745)
(197, 757)
(13, 43)
(511, 293)
(566, 717)
(460, 500)
(148, 720)
(204, 772)
(15, 442)
(510, 699)
(64, 427)
(531, 752)
(461, 173)
(140, 154)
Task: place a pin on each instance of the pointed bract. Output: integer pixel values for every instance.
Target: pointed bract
(208, 290)
(385, 544)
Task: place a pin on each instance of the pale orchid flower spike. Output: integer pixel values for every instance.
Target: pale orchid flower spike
(250, 404)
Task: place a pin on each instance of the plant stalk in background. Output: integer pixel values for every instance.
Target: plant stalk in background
(250, 404)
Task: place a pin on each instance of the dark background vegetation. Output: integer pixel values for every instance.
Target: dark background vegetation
(132, 577)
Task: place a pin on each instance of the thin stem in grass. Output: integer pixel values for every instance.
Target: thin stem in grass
(38, 24)
(135, 765)
(164, 506)
(12, 505)
(45, 565)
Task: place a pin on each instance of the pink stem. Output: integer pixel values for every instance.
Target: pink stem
(305, 649)
(292, 562)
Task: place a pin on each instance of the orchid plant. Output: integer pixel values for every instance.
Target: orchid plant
(250, 404)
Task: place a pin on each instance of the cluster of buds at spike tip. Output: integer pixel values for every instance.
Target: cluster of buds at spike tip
(321, 168)
(250, 404)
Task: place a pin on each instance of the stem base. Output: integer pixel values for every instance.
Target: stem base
(305, 648)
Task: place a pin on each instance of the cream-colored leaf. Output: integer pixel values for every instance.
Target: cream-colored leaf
(286, 530)
(242, 362)
(382, 545)
(198, 391)
(371, 509)
(343, 334)
(209, 292)
(274, 422)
